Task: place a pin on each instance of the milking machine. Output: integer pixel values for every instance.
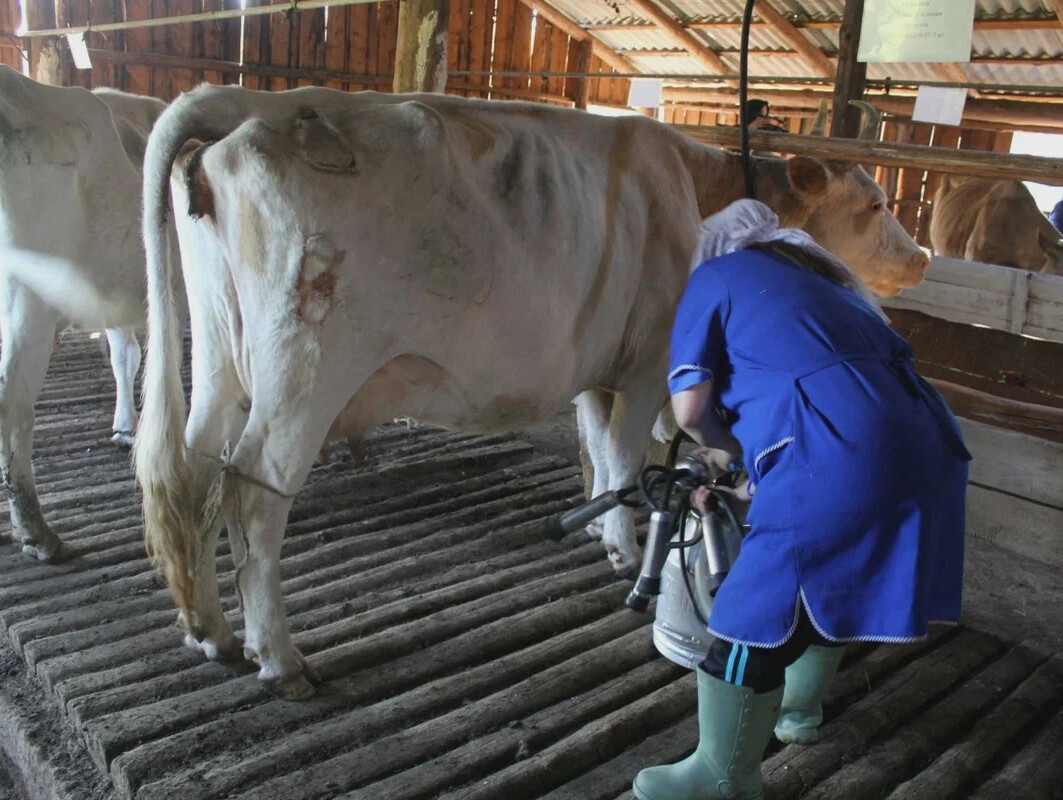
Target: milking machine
(687, 554)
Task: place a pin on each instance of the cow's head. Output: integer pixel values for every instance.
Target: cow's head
(847, 213)
(1053, 249)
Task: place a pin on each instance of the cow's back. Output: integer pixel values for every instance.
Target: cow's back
(605, 207)
(990, 221)
(134, 117)
(567, 233)
(53, 138)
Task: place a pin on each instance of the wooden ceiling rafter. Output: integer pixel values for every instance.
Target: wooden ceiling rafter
(574, 30)
(983, 24)
(727, 51)
(679, 34)
(807, 49)
(949, 71)
(1014, 113)
(1057, 6)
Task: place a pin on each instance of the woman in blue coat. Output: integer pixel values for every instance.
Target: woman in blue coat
(858, 472)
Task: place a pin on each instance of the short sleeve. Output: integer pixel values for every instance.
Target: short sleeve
(698, 345)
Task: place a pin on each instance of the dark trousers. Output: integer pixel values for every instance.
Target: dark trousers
(761, 668)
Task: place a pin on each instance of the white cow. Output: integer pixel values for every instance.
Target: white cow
(468, 263)
(70, 252)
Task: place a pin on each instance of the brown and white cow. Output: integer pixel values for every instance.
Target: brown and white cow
(467, 263)
(994, 222)
(70, 252)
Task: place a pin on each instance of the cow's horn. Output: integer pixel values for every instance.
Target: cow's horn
(819, 122)
(872, 117)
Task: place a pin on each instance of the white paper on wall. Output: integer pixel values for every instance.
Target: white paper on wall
(645, 93)
(79, 50)
(939, 105)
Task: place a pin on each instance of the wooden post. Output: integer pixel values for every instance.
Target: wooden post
(581, 91)
(46, 59)
(849, 85)
(421, 50)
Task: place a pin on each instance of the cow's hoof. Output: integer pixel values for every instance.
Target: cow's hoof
(295, 687)
(122, 438)
(50, 551)
(22, 536)
(226, 652)
(625, 565)
(595, 529)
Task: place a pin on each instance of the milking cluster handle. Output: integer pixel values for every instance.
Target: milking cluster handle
(666, 491)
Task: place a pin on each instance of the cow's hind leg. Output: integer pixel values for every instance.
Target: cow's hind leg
(271, 461)
(27, 328)
(218, 415)
(630, 424)
(125, 361)
(593, 408)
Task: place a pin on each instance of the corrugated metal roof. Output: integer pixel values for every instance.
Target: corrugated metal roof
(832, 9)
(1041, 44)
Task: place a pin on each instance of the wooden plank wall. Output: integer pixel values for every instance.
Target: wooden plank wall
(912, 190)
(10, 50)
(325, 45)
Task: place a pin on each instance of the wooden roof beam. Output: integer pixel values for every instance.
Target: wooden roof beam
(574, 31)
(1008, 112)
(681, 36)
(957, 76)
(984, 24)
(949, 71)
(810, 52)
(1057, 6)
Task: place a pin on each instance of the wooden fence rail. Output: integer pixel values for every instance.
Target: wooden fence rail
(891, 154)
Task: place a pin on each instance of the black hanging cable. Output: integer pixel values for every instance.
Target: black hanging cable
(743, 91)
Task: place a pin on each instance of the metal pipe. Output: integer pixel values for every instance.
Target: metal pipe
(203, 16)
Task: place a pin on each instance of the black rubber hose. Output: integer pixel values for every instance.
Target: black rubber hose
(743, 97)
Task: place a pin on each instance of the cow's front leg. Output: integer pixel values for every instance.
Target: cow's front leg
(592, 420)
(27, 329)
(630, 424)
(125, 361)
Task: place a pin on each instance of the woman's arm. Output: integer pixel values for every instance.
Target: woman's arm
(695, 412)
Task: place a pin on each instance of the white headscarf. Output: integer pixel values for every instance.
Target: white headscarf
(748, 222)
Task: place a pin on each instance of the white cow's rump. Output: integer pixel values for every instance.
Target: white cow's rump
(70, 174)
(361, 257)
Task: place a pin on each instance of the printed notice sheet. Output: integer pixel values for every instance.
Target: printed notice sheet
(916, 30)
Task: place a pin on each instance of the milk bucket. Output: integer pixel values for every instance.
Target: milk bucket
(678, 634)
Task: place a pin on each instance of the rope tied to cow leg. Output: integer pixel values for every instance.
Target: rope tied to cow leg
(212, 507)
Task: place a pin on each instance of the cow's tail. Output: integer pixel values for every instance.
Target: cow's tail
(171, 533)
(63, 285)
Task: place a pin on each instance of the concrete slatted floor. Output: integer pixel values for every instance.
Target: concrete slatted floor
(464, 655)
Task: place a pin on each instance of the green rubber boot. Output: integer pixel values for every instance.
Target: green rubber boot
(802, 703)
(734, 726)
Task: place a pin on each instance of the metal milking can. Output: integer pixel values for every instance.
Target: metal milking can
(678, 633)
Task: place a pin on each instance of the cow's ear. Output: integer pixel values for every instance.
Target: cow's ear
(808, 175)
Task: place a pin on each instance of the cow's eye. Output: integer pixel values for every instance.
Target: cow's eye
(879, 205)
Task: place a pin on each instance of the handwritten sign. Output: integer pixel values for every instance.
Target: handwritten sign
(916, 30)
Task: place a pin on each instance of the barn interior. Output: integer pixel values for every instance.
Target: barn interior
(464, 656)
